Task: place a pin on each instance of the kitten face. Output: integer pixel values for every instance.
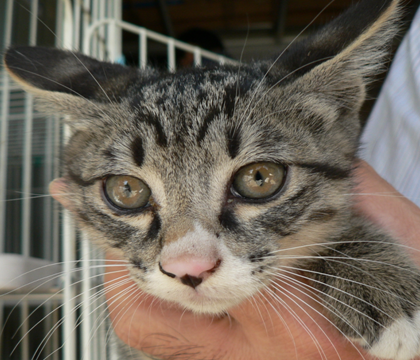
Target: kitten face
(185, 139)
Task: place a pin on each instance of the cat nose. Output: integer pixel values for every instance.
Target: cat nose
(190, 271)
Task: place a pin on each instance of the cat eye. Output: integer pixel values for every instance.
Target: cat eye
(126, 192)
(259, 180)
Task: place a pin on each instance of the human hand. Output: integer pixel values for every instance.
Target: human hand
(258, 328)
(377, 200)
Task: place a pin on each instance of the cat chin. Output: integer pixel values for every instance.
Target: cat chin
(208, 306)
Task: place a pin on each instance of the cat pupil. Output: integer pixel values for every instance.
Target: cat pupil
(259, 179)
(127, 189)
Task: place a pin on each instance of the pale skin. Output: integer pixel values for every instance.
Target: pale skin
(268, 331)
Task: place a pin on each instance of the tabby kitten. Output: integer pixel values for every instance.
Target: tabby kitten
(207, 179)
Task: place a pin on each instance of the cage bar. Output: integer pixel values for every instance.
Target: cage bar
(77, 9)
(27, 176)
(197, 56)
(171, 55)
(4, 127)
(1, 324)
(69, 316)
(143, 32)
(24, 329)
(143, 49)
(27, 156)
(86, 299)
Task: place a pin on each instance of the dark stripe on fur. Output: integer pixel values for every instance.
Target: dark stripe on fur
(330, 172)
(228, 220)
(137, 151)
(282, 219)
(229, 101)
(210, 117)
(138, 263)
(233, 141)
(114, 228)
(291, 201)
(109, 154)
(154, 228)
(260, 255)
(153, 120)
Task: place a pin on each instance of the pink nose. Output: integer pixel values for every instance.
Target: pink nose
(191, 270)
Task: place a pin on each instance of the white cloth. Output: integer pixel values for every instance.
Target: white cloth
(391, 139)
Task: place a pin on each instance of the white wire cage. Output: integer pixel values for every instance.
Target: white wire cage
(51, 295)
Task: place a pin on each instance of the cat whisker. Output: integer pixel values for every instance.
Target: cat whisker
(283, 290)
(315, 292)
(55, 327)
(286, 326)
(32, 271)
(281, 268)
(254, 304)
(79, 295)
(293, 313)
(279, 271)
(126, 294)
(138, 305)
(338, 243)
(182, 315)
(46, 316)
(119, 316)
(44, 196)
(336, 258)
(380, 194)
(48, 278)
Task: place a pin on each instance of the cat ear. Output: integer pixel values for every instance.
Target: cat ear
(69, 83)
(342, 58)
(59, 190)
